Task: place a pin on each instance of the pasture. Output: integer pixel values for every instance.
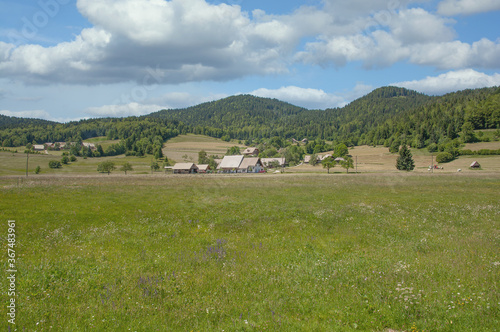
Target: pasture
(285, 252)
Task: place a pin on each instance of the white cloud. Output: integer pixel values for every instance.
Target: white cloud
(35, 114)
(187, 40)
(312, 98)
(467, 7)
(131, 109)
(413, 35)
(456, 54)
(452, 81)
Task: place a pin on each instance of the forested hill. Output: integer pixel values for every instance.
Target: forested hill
(242, 116)
(13, 122)
(384, 116)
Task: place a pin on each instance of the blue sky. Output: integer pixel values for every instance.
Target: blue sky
(64, 59)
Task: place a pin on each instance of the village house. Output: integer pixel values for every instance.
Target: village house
(475, 164)
(230, 164)
(89, 145)
(39, 147)
(251, 165)
(251, 152)
(204, 168)
(269, 162)
(185, 168)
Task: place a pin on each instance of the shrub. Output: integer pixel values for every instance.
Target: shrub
(444, 157)
(432, 147)
(55, 164)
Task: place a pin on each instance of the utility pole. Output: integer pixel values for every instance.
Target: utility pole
(432, 163)
(27, 159)
(356, 164)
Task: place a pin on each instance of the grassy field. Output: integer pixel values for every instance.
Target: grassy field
(186, 147)
(287, 252)
(189, 145)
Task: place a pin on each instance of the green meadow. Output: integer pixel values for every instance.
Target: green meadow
(285, 252)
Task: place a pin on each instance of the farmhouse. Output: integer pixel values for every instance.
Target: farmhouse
(203, 168)
(185, 168)
(251, 152)
(39, 147)
(325, 156)
(307, 159)
(230, 164)
(268, 162)
(251, 165)
(90, 146)
(475, 164)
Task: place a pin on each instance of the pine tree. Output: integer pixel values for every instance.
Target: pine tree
(405, 160)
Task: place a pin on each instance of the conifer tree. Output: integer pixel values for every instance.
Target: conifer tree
(405, 160)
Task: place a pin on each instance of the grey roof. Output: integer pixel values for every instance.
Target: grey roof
(250, 150)
(183, 166)
(267, 161)
(250, 162)
(231, 162)
(203, 167)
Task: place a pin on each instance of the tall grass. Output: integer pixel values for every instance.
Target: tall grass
(296, 252)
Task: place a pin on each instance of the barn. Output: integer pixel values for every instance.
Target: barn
(185, 168)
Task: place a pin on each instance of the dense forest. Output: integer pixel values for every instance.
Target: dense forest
(388, 116)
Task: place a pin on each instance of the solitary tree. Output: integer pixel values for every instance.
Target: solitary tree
(106, 167)
(126, 167)
(347, 163)
(405, 160)
(328, 163)
(202, 157)
(232, 151)
(154, 166)
(314, 159)
(340, 150)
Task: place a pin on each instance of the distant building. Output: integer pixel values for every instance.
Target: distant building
(230, 164)
(185, 168)
(89, 145)
(251, 165)
(251, 152)
(203, 168)
(39, 147)
(269, 161)
(475, 164)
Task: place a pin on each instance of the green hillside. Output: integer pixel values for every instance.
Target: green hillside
(386, 116)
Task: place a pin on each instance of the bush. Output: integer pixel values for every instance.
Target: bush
(55, 164)
(432, 147)
(444, 157)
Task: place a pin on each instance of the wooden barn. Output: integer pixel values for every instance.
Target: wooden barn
(204, 168)
(475, 164)
(251, 165)
(185, 168)
(230, 164)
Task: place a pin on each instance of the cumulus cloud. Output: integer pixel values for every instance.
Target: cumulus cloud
(131, 109)
(35, 114)
(312, 98)
(186, 40)
(467, 7)
(413, 35)
(452, 81)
